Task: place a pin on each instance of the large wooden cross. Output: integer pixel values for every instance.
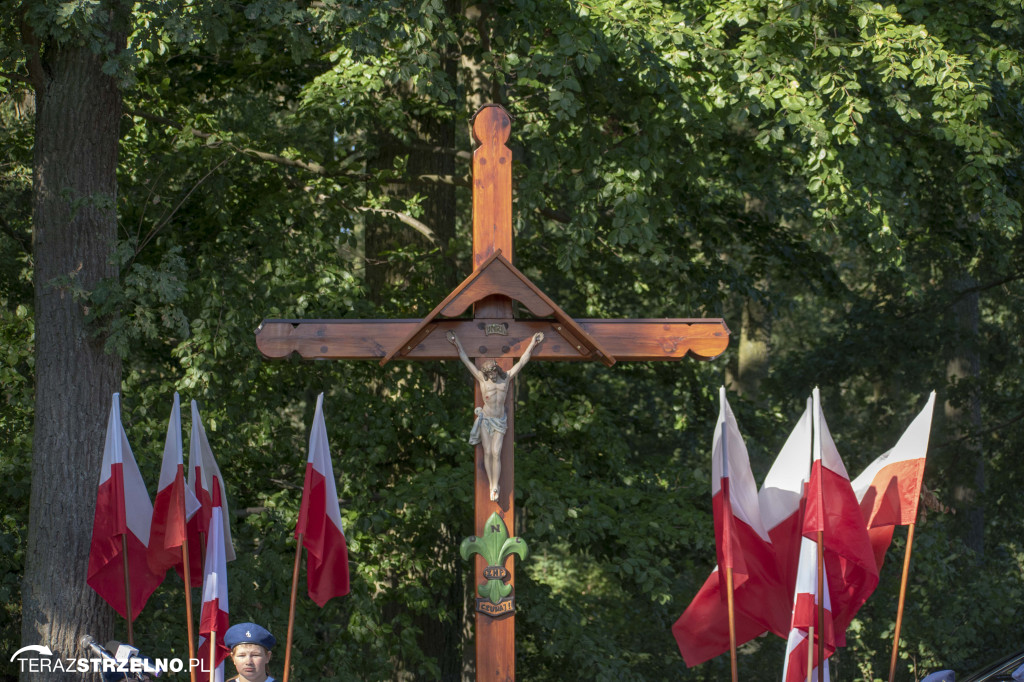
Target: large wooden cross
(493, 332)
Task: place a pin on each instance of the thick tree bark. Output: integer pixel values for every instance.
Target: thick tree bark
(78, 111)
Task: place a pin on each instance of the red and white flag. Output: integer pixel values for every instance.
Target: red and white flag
(890, 487)
(801, 649)
(121, 523)
(214, 618)
(833, 508)
(319, 521)
(741, 541)
(763, 596)
(174, 504)
(202, 471)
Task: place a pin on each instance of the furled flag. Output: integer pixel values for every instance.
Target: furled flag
(121, 524)
(203, 470)
(890, 487)
(175, 502)
(765, 599)
(832, 507)
(214, 618)
(319, 521)
(800, 646)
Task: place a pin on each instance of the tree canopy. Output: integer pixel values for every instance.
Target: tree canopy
(842, 182)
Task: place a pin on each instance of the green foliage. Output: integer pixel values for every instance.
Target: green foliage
(842, 165)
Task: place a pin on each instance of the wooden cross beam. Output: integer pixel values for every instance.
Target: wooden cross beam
(493, 333)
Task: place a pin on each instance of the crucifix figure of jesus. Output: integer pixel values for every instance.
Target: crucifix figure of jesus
(492, 420)
(494, 336)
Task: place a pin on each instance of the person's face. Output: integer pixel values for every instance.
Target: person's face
(251, 661)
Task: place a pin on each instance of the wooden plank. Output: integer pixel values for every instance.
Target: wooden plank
(629, 340)
(492, 185)
(492, 285)
(492, 236)
(498, 277)
(421, 331)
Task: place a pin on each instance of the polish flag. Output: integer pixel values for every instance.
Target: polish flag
(121, 522)
(782, 504)
(319, 521)
(202, 471)
(832, 507)
(740, 536)
(214, 618)
(765, 601)
(890, 487)
(175, 502)
(800, 647)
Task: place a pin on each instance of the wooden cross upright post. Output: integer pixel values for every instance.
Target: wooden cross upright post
(493, 333)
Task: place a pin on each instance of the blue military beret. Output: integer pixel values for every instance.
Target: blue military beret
(249, 633)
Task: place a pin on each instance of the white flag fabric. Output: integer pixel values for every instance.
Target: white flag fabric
(701, 632)
(891, 484)
(214, 618)
(832, 509)
(121, 521)
(175, 502)
(319, 522)
(203, 470)
(800, 648)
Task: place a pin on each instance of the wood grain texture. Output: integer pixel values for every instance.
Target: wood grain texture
(492, 236)
(628, 340)
(493, 287)
(492, 185)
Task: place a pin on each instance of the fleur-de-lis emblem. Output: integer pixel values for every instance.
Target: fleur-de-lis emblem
(495, 546)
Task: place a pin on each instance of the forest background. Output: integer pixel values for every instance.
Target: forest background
(841, 181)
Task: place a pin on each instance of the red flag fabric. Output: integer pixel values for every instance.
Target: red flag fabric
(762, 598)
(320, 519)
(121, 488)
(174, 503)
(214, 617)
(800, 647)
(890, 487)
(202, 470)
(832, 507)
(740, 536)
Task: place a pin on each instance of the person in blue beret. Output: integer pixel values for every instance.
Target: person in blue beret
(250, 646)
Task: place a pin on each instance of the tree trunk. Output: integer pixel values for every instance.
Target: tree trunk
(964, 368)
(755, 334)
(78, 111)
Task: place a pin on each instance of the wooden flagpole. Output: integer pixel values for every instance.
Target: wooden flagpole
(810, 654)
(727, 535)
(188, 587)
(188, 608)
(821, 606)
(127, 589)
(899, 608)
(213, 655)
(732, 622)
(291, 608)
